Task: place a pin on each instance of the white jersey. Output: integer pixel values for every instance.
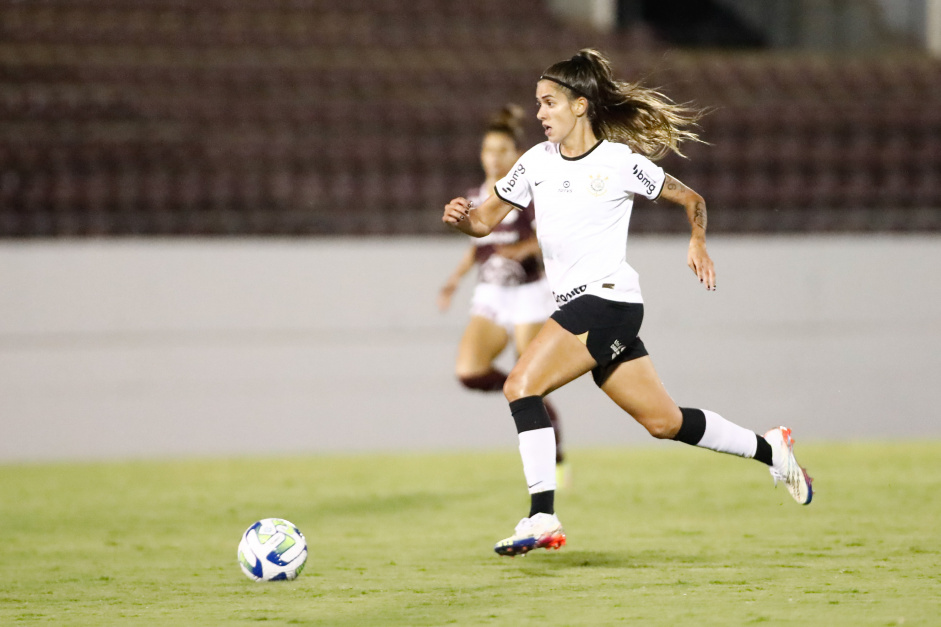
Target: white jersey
(583, 209)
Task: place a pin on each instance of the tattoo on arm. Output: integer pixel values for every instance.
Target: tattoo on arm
(677, 192)
(699, 217)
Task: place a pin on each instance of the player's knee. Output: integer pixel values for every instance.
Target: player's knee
(662, 427)
(461, 371)
(466, 375)
(518, 385)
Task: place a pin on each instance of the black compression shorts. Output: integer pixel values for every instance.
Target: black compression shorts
(612, 328)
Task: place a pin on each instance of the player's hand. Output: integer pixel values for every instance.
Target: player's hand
(456, 211)
(444, 296)
(699, 262)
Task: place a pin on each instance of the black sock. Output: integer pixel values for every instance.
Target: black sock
(532, 420)
(491, 381)
(542, 502)
(693, 426)
(763, 452)
(530, 413)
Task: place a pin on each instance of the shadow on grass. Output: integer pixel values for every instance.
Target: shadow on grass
(597, 559)
(567, 558)
(583, 559)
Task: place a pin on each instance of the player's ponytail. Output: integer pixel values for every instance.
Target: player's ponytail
(629, 113)
(509, 121)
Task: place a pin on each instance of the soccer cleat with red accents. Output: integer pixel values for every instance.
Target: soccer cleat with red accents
(541, 531)
(785, 467)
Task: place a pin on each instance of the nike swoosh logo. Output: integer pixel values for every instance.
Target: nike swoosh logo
(539, 183)
(534, 485)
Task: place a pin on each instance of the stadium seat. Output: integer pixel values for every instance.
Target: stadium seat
(231, 115)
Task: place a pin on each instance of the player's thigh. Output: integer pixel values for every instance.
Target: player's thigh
(524, 334)
(637, 389)
(482, 342)
(553, 358)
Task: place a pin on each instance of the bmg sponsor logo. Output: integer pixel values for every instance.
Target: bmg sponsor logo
(507, 187)
(644, 180)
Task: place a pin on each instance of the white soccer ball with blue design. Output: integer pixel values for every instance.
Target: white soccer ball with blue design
(272, 549)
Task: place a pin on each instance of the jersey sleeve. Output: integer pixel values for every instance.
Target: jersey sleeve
(644, 177)
(515, 188)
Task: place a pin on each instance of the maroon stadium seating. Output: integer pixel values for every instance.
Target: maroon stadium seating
(364, 116)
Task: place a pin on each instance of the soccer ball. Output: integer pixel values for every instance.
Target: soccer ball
(272, 549)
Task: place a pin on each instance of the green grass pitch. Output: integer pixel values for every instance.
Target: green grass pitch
(659, 535)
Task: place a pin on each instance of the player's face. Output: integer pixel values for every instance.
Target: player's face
(555, 111)
(497, 154)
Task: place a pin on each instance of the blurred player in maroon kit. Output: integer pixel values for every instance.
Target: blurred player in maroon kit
(512, 296)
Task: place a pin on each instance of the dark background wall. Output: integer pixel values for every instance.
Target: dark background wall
(239, 117)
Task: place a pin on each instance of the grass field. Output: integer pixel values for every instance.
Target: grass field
(658, 536)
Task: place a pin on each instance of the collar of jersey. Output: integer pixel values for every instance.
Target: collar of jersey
(581, 156)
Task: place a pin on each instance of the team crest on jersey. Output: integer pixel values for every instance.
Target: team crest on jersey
(598, 185)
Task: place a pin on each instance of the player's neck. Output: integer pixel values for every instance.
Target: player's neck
(578, 142)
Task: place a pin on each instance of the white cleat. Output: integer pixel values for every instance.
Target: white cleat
(538, 532)
(785, 467)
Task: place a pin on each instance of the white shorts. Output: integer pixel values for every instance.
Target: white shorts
(516, 304)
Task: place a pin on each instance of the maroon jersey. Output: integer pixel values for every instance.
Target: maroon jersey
(516, 227)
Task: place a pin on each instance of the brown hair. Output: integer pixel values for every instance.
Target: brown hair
(509, 121)
(629, 113)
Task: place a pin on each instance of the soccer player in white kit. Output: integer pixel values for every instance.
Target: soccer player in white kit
(583, 181)
(512, 296)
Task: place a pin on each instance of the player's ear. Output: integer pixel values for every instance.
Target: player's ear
(580, 106)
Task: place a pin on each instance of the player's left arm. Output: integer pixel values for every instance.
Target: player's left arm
(697, 258)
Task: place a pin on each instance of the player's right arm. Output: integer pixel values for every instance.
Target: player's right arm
(473, 220)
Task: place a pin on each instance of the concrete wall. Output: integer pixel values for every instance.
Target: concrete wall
(147, 348)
